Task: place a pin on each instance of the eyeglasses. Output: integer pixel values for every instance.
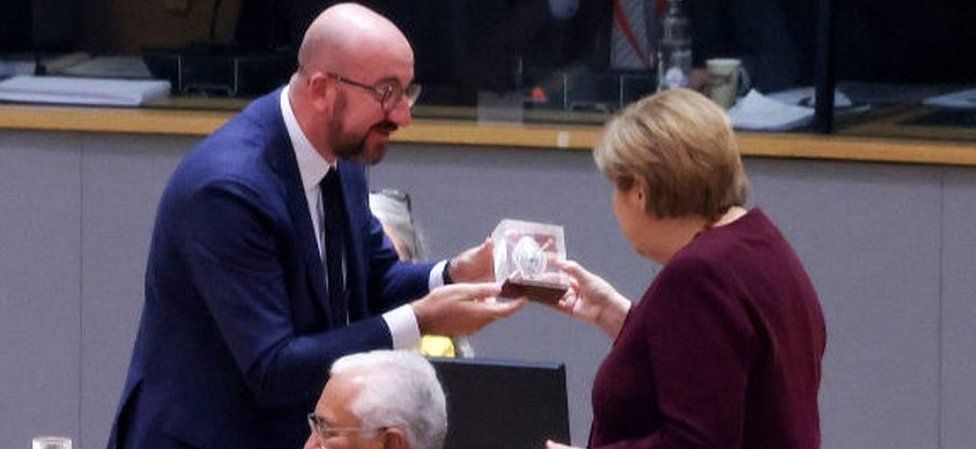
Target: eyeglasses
(388, 93)
(324, 432)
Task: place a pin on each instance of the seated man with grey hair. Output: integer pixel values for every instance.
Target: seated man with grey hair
(380, 399)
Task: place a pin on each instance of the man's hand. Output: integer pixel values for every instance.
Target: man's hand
(461, 309)
(474, 264)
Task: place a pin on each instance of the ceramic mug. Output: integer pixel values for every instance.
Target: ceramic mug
(727, 79)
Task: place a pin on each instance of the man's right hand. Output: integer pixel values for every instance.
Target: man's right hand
(461, 309)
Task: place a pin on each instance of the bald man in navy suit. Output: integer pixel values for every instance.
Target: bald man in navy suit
(266, 264)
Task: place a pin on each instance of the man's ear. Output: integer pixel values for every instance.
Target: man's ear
(395, 438)
(321, 89)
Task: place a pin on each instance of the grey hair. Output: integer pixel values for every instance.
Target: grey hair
(395, 217)
(400, 389)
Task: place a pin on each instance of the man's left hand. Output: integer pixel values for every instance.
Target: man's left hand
(474, 264)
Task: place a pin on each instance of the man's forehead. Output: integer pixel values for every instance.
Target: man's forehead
(384, 68)
(334, 404)
(342, 387)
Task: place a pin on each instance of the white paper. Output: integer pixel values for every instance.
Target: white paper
(109, 66)
(757, 112)
(14, 67)
(86, 91)
(964, 99)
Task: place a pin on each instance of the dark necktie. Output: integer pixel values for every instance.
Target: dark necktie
(334, 225)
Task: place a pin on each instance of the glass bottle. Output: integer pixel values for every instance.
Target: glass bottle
(674, 51)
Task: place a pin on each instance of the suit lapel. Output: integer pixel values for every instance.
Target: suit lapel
(281, 155)
(298, 208)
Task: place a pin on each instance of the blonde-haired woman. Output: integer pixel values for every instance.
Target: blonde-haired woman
(725, 348)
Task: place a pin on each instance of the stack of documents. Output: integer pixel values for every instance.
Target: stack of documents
(758, 112)
(964, 99)
(109, 67)
(84, 91)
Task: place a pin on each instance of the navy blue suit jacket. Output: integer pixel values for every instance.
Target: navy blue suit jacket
(235, 339)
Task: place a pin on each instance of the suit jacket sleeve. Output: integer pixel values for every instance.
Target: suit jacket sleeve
(236, 264)
(392, 282)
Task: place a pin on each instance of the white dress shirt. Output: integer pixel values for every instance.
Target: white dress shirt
(313, 167)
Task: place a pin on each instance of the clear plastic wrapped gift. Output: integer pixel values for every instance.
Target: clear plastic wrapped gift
(523, 256)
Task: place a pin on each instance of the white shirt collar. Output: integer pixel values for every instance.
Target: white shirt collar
(311, 165)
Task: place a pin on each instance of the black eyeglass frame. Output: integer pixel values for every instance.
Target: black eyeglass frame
(324, 432)
(387, 97)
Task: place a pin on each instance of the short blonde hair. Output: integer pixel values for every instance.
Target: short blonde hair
(679, 146)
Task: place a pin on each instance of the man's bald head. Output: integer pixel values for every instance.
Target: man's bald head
(347, 35)
(350, 62)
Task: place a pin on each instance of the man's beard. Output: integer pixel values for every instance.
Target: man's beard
(352, 147)
(374, 153)
(346, 146)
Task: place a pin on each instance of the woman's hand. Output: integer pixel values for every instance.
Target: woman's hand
(592, 299)
(554, 445)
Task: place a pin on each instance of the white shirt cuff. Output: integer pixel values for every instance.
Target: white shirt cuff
(436, 278)
(403, 327)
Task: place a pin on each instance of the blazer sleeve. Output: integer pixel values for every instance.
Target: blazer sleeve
(237, 268)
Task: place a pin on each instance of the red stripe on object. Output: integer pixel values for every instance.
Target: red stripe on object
(628, 32)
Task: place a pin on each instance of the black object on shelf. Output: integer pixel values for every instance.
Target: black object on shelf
(825, 76)
(220, 70)
(214, 69)
(961, 118)
(503, 403)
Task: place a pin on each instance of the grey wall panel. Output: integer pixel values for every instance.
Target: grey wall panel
(868, 236)
(842, 218)
(40, 261)
(460, 194)
(871, 235)
(122, 179)
(959, 311)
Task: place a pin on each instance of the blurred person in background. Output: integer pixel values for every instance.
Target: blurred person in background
(392, 208)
